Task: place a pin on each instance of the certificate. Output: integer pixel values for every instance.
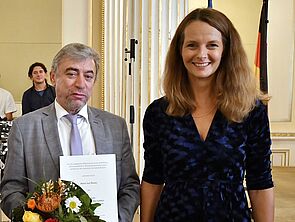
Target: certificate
(96, 174)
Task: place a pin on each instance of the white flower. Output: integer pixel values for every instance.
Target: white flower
(73, 203)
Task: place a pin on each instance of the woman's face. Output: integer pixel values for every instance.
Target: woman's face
(202, 49)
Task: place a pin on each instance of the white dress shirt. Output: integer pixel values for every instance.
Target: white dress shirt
(64, 130)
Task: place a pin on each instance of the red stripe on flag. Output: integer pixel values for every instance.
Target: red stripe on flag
(257, 56)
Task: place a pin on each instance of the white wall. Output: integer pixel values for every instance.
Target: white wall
(281, 62)
(76, 21)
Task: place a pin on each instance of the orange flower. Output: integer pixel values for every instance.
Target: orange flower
(48, 204)
(31, 204)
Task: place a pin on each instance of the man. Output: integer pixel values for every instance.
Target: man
(7, 105)
(41, 93)
(37, 139)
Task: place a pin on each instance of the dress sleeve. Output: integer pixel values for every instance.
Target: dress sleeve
(153, 169)
(258, 164)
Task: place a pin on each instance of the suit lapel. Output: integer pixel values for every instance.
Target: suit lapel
(49, 124)
(98, 131)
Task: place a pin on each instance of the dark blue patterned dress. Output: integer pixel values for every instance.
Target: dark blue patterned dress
(204, 179)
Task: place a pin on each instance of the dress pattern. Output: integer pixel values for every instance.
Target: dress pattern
(204, 178)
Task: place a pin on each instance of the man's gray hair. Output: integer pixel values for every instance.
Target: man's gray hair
(76, 51)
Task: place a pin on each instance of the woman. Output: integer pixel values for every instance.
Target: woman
(208, 132)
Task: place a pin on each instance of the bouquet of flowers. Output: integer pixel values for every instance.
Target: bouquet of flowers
(59, 201)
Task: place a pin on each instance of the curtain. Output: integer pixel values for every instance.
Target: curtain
(137, 34)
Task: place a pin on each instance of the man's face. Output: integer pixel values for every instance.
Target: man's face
(38, 75)
(73, 83)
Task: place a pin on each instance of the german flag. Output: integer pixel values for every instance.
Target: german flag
(261, 50)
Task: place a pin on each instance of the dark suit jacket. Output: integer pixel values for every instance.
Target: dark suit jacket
(34, 149)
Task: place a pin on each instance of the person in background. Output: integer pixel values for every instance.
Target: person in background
(209, 131)
(41, 93)
(7, 105)
(39, 138)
